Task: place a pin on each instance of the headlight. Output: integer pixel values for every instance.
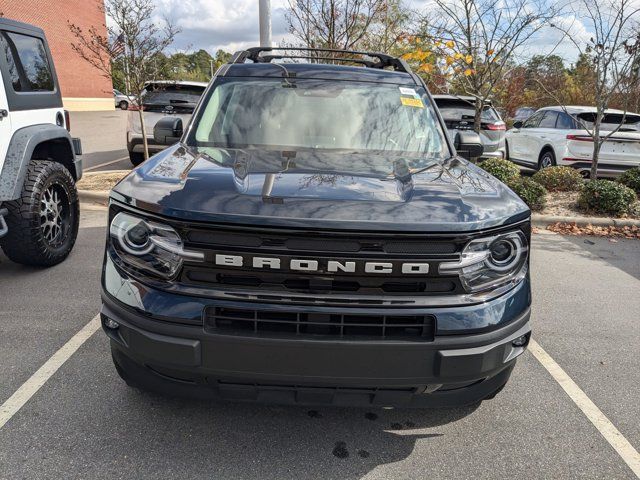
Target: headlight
(488, 263)
(149, 246)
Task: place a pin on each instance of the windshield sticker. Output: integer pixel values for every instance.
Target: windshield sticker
(412, 102)
(408, 91)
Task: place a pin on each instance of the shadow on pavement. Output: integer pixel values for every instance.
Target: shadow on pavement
(620, 253)
(241, 440)
(92, 159)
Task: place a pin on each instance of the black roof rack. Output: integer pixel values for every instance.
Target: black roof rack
(384, 60)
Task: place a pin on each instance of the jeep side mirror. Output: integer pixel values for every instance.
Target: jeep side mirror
(468, 144)
(517, 124)
(167, 130)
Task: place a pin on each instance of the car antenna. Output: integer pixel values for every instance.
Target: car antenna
(286, 76)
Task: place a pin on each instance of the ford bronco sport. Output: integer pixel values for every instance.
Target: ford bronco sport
(314, 238)
(39, 161)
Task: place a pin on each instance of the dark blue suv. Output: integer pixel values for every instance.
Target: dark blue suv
(314, 237)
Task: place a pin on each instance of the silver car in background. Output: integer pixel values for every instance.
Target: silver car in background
(122, 101)
(159, 99)
(458, 113)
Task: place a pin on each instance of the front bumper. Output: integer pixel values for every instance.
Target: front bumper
(605, 169)
(494, 154)
(452, 370)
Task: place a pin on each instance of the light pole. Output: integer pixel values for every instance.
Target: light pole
(265, 41)
(265, 23)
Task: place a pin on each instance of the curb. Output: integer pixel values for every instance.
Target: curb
(100, 197)
(538, 220)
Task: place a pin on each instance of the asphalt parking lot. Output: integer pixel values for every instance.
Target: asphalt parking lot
(103, 136)
(85, 423)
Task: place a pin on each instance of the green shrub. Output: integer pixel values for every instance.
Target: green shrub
(605, 196)
(532, 193)
(631, 178)
(559, 179)
(502, 169)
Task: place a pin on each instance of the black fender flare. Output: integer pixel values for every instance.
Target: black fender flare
(21, 147)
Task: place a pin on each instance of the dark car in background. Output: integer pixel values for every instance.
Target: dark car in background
(159, 99)
(458, 113)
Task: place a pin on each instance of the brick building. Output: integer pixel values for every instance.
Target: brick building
(83, 86)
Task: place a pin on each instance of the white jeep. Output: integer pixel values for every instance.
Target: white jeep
(39, 161)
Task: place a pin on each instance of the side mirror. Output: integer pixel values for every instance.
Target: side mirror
(468, 144)
(517, 124)
(167, 130)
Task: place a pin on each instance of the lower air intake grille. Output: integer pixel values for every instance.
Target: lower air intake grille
(239, 321)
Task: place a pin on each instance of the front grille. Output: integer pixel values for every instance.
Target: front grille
(275, 282)
(241, 321)
(322, 247)
(320, 242)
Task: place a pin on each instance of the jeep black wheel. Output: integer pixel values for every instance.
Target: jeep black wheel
(124, 105)
(43, 222)
(136, 158)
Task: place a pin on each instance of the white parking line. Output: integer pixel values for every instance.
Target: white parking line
(104, 164)
(592, 412)
(46, 371)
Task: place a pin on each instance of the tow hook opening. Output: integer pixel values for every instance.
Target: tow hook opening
(109, 323)
(517, 346)
(520, 341)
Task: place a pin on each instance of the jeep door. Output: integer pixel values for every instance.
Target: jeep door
(5, 123)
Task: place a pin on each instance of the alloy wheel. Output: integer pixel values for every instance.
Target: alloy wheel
(54, 215)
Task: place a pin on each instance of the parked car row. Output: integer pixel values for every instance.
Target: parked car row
(548, 136)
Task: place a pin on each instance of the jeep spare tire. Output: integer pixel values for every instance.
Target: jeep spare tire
(43, 222)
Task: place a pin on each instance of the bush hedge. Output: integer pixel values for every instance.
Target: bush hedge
(605, 196)
(500, 168)
(631, 178)
(559, 179)
(531, 192)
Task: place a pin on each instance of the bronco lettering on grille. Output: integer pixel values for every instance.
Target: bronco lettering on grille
(327, 266)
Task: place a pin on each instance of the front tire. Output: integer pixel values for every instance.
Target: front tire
(547, 159)
(124, 105)
(136, 158)
(43, 222)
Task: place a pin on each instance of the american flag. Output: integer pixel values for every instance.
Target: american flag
(117, 48)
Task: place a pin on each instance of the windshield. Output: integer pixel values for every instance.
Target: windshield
(466, 111)
(319, 115)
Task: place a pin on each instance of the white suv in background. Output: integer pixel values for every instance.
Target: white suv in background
(159, 99)
(556, 136)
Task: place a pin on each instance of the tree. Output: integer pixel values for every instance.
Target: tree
(132, 26)
(480, 39)
(612, 59)
(347, 24)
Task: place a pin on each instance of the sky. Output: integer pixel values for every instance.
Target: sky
(232, 25)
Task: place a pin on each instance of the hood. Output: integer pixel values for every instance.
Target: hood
(351, 191)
